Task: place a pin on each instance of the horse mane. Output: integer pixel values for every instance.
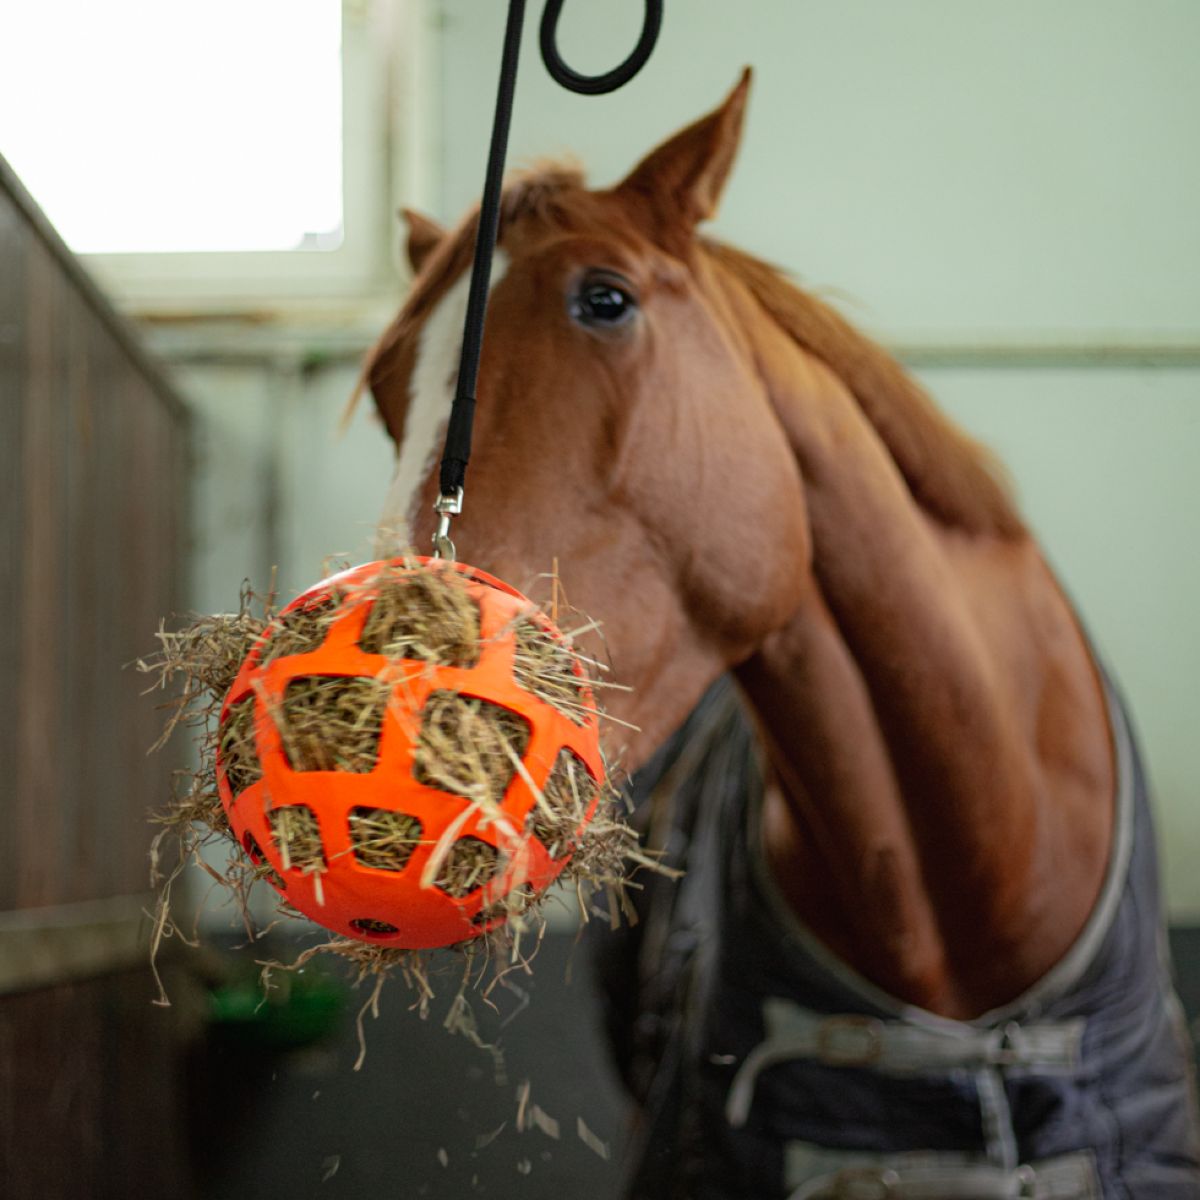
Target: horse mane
(949, 474)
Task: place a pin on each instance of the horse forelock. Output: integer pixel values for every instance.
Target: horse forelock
(431, 323)
(537, 192)
(952, 476)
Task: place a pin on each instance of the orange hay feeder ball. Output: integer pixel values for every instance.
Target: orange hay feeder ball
(383, 832)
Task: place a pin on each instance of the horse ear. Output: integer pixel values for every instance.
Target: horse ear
(423, 234)
(684, 177)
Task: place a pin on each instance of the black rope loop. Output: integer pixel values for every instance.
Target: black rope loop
(457, 452)
(609, 81)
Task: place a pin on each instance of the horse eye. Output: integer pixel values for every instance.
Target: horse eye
(602, 302)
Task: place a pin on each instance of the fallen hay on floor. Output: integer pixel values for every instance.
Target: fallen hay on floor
(464, 745)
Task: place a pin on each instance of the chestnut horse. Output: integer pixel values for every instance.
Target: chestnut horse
(734, 480)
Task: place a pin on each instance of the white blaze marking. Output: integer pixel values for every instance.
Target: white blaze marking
(430, 395)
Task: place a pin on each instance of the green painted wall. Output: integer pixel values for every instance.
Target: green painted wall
(1104, 461)
(981, 185)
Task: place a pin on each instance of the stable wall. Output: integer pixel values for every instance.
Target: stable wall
(1005, 194)
(91, 484)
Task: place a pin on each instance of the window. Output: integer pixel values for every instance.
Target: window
(217, 155)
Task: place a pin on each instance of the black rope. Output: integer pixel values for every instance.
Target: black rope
(462, 414)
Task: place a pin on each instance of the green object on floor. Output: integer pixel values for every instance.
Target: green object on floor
(297, 1010)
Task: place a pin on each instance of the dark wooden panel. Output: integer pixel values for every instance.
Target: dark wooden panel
(91, 1099)
(91, 456)
(91, 507)
(146, 551)
(108, 567)
(75, 365)
(41, 800)
(13, 245)
(81, 550)
(101, 762)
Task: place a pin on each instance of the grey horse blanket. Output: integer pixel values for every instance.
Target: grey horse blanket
(765, 1069)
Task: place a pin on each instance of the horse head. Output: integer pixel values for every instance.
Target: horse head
(623, 426)
(732, 477)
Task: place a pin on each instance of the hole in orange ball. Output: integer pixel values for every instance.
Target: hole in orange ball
(332, 722)
(560, 810)
(383, 838)
(515, 903)
(373, 928)
(470, 864)
(546, 668)
(424, 614)
(236, 748)
(264, 870)
(298, 836)
(466, 746)
(300, 631)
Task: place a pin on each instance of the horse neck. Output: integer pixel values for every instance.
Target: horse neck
(913, 822)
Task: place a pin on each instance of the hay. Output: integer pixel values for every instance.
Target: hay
(298, 836)
(545, 667)
(236, 746)
(512, 906)
(203, 660)
(562, 805)
(371, 963)
(466, 747)
(300, 631)
(470, 863)
(258, 860)
(383, 838)
(332, 722)
(428, 615)
(198, 664)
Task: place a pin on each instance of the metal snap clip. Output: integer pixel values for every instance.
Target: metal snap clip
(446, 506)
(1026, 1179)
(866, 1183)
(1008, 1050)
(850, 1041)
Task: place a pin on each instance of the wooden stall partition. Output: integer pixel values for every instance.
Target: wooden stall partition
(92, 478)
